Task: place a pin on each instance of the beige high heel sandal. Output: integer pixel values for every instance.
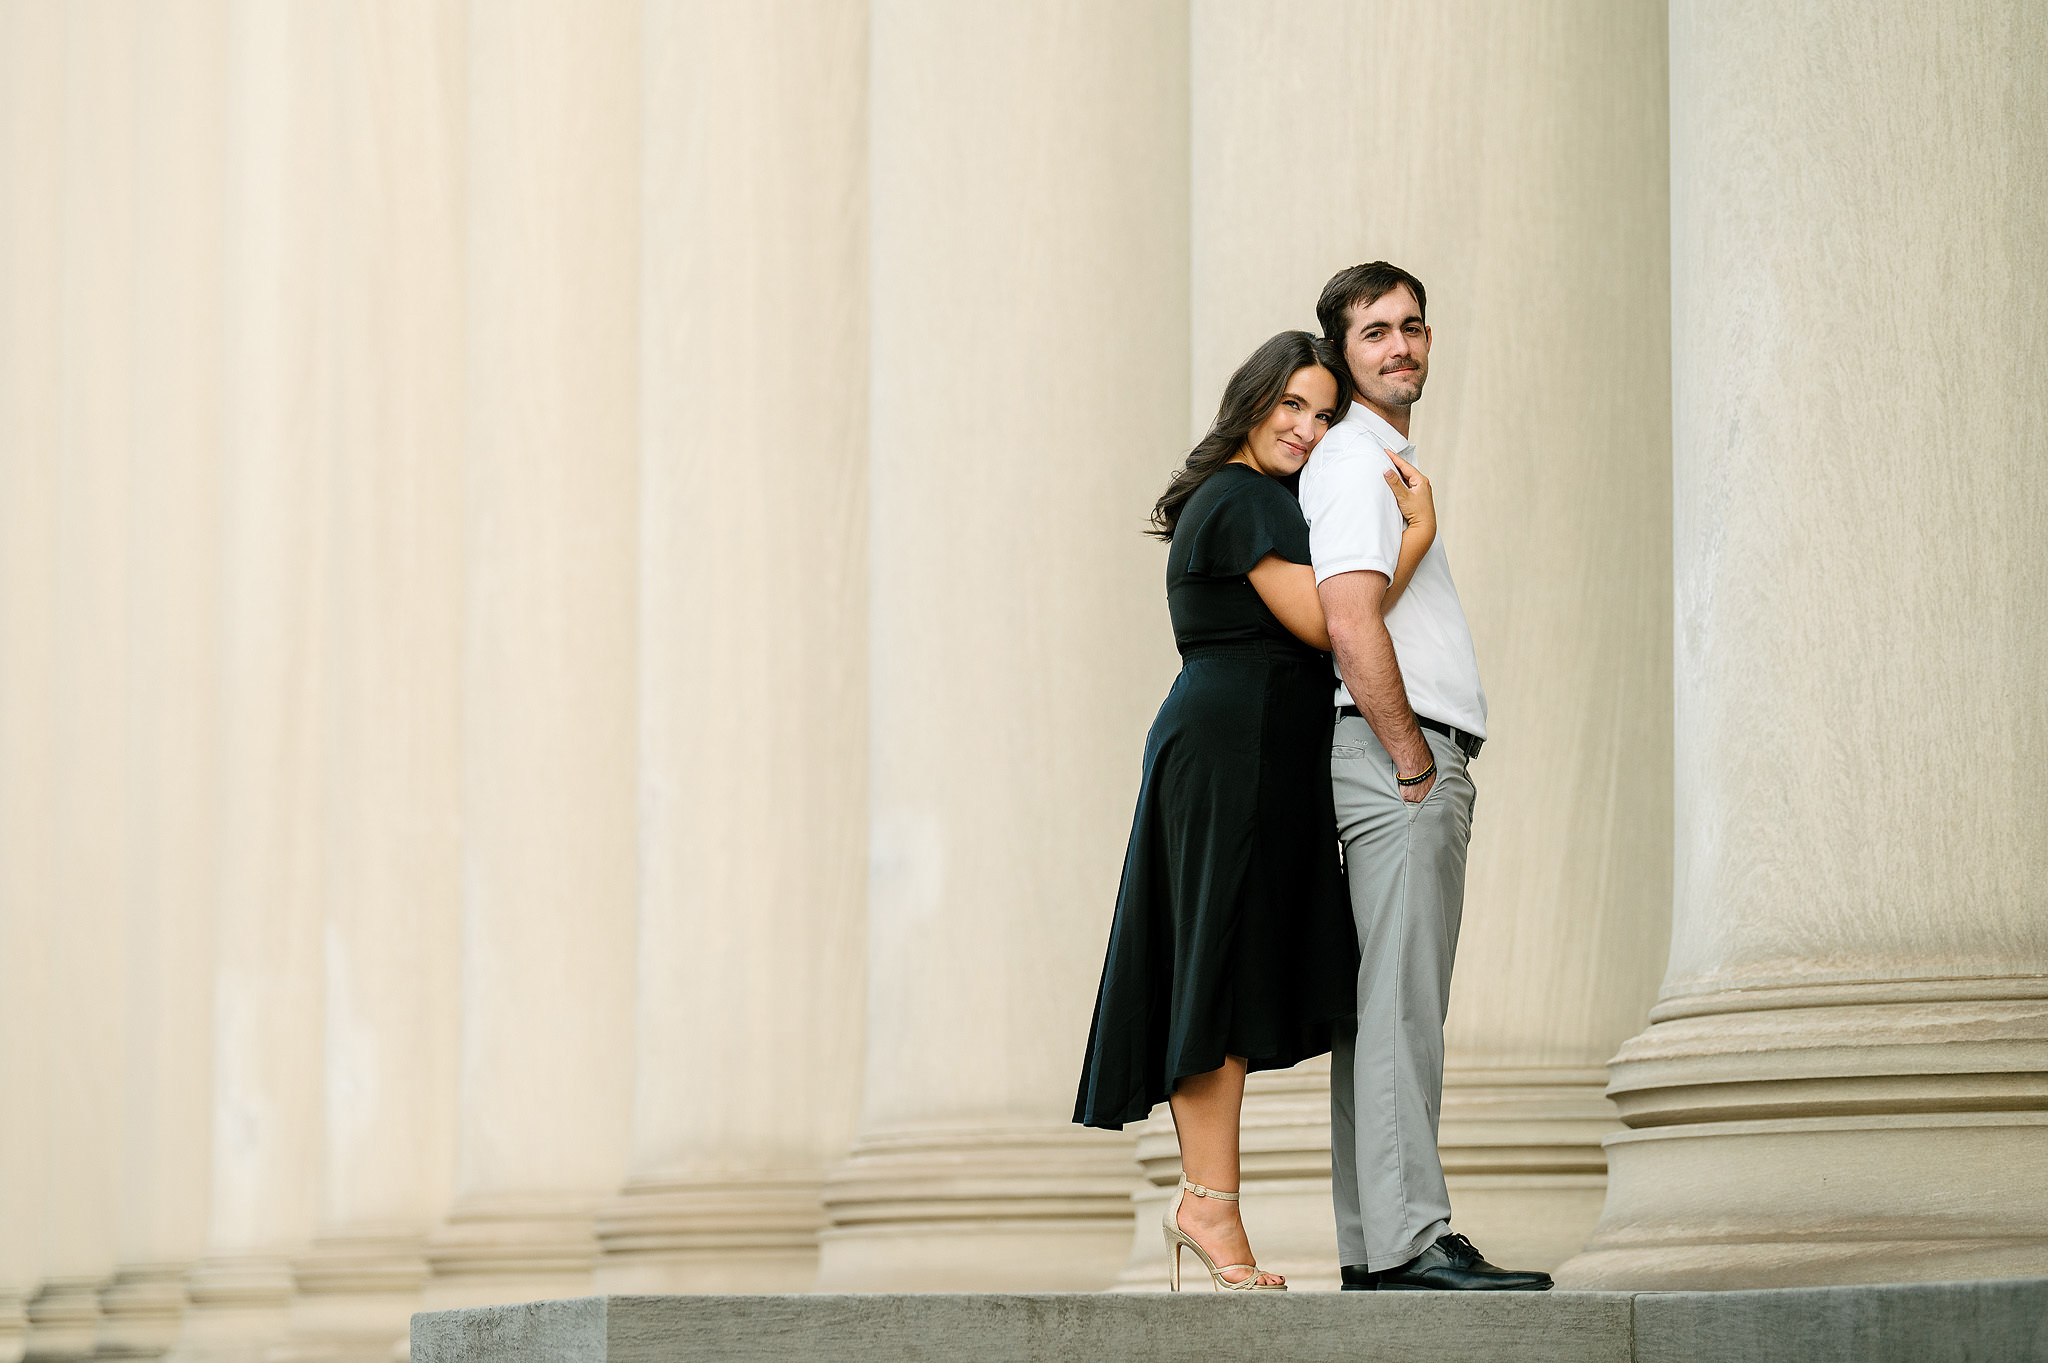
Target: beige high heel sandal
(1176, 1239)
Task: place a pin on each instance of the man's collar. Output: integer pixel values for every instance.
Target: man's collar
(1378, 427)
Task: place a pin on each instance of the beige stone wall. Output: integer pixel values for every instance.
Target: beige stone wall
(31, 253)
(90, 581)
(550, 422)
(574, 638)
(173, 836)
(1839, 338)
(753, 643)
(1027, 344)
(278, 431)
(1843, 1075)
(1512, 158)
(391, 799)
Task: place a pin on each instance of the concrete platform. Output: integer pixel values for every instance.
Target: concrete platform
(2004, 1321)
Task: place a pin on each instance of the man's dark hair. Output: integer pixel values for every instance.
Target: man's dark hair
(1359, 286)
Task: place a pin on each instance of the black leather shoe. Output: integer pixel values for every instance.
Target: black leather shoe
(1452, 1264)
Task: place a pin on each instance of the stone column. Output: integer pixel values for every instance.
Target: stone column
(753, 642)
(1512, 158)
(549, 724)
(31, 233)
(174, 671)
(85, 1001)
(393, 882)
(276, 421)
(1029, 219)
(1844, 1077)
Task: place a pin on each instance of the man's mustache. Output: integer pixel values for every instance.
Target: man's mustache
(1401, 368)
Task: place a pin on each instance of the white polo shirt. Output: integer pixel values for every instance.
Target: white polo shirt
(1354, 523)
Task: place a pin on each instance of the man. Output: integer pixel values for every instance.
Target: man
(1411, 718)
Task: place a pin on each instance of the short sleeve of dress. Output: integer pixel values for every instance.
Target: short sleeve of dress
(1253, 517)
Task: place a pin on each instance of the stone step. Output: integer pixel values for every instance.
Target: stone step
(2002, 1321)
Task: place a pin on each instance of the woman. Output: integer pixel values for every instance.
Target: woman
(1232, 948)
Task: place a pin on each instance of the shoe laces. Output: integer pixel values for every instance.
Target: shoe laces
(1458, 1249)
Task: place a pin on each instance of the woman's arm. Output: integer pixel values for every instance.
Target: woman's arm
(1289, 591)
(1418, 509)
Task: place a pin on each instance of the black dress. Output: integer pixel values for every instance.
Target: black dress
(1233, 932)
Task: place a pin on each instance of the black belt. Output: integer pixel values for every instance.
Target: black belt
(1468, 744)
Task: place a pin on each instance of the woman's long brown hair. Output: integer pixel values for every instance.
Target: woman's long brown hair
(1248, 399)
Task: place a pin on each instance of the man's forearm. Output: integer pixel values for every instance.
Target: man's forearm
(1371, 672)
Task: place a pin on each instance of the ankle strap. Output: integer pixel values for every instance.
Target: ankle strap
(1199, 1191)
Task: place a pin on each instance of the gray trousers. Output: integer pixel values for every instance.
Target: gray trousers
(1406, 867)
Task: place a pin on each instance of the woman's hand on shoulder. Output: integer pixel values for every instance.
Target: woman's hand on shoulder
(1412, 492)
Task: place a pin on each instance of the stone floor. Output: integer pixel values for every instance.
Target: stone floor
(2003, 1321)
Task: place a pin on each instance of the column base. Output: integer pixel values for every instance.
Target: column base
(998, 1209)
(1523, 1160)
(238, 1308)
(142, 1311)
(1827, 1135)
(13, 1326)
(502, 1249)
(704, 1233)
(64, 1320)
(357, 1291)
(1818, 1202)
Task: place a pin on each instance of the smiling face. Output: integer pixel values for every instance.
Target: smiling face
(1279, 445)
(1387, 347)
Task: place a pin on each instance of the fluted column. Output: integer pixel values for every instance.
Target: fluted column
(1844, 1077)
(174, 672)
(1029, 219)
(753, 642)
(549, 666)
(31, 233)
(393, 879)
(86, 1001)
(1513, 158)
(276, 422)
